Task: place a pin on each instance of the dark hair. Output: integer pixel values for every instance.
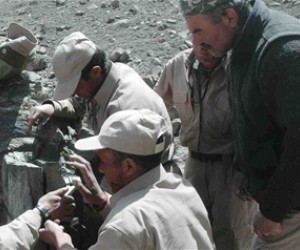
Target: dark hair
(146, 162)
(99, 58)
(242, 9)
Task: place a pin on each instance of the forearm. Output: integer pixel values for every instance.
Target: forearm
(71, 108)
(64, 242)
(22, 230)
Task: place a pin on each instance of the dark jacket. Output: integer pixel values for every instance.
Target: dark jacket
(264, 78)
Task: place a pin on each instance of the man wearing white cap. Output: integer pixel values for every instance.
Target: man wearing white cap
(146, 198)
(87, 80)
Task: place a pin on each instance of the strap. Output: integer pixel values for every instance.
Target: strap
(44, 212)
(12, 57)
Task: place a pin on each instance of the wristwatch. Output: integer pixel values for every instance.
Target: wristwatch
(44, 212)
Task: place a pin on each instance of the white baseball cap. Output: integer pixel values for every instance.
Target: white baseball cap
(16, 50)
(70, 57)
(129, 131)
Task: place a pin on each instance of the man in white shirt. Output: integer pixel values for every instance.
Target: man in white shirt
(146, 199)
(22, 232)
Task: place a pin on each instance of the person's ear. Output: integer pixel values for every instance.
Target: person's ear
(129, 168)
(230, 17)
(96, 71)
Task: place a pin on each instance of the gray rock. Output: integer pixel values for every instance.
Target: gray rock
(22, 183)
(115, 4)
(183, 47)
(37, 64)
(92, 7)
(79, 13)
(124, 23)
(60, 2)
(31, 76)
(120, 55)
(171, 21)
(134, 9)
(110, 20)
(60, 28)
(188, 43)
(21, 144)
(83, 2)
(161, 26)
(22, 11)
(156, 61)
(103, 5)
(41, 49)
(33, 2)
(150, 80)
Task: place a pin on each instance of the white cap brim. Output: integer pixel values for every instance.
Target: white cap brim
(67, 89)
(91, 143)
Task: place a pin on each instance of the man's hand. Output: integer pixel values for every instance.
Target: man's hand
(40, 114)
(266, 227)
(53, 234)
(91, 191)
(58, 205)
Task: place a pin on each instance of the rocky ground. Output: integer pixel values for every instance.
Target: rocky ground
(143, 33)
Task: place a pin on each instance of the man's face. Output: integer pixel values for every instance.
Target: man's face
(85, 88)
(216, 38)
(205, 58)
(113, 173)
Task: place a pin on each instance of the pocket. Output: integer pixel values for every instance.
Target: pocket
(183, 104)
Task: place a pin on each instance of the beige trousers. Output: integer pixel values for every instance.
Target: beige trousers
(230, 216)
(289, 239)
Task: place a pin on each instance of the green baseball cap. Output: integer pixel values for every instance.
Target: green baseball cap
(195, 7)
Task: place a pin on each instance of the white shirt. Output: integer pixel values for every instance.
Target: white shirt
(21, 233)
(158, 210)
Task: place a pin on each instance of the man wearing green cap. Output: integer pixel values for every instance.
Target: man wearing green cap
(264, 85)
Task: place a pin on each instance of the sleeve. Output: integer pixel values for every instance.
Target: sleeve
(280, 88)
(71, 108)
(21, 233)
(163, 85)
(163, 88)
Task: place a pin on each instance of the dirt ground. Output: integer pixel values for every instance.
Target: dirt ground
(152, 31)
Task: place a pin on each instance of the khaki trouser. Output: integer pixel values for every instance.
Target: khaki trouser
(230, 216)
(289, 239)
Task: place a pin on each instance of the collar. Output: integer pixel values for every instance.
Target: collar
(107, 89)
(252, 30)
(144, 181)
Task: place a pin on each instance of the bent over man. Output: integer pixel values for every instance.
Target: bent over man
(87, 81)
